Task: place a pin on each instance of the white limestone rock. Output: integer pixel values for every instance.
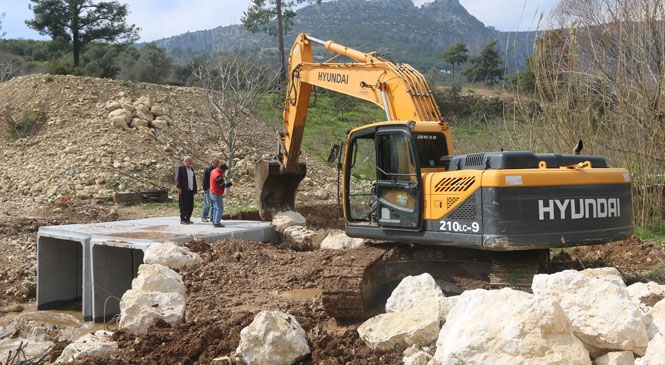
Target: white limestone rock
(411, 291)
(643, 294)
(170, 254)
(655, 319)
(283, 220)
(615, 358)
(303, 239)
(158, 278)
(417, 325)
(507, 327)
(655, 354)
(98, 344)
(274, 338)
(445, 305)
(589, 303)
(123, 113)
(139, 309)
(112, 105)
(138, 123)
(415, 356)
(159, 109)
(338, 240)
(119, 122)
(143, 112)
(610, 274)
(159, 123)
(165, 118)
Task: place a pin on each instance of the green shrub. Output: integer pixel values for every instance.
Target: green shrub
(64, 69)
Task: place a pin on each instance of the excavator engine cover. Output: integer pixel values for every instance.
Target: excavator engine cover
(276, 189)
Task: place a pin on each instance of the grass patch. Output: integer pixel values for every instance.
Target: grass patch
(160, 206)
(654, 230)
(657, 274)
(235, 209)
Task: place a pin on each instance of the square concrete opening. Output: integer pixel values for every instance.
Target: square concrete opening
(113, 270)
(61, 273)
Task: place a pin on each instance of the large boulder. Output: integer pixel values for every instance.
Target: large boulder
(140, 309)
(273, 338)
(418, 325)
(655, 354)
(301, 238)
(589, 303)
(507, 327)
(411, 291)
(157, 294)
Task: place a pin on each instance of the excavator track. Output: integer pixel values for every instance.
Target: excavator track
(357, 283)
(343, 280)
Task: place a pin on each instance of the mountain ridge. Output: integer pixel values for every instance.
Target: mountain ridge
(413, 34)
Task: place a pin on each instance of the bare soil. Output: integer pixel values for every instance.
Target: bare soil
(238, 279)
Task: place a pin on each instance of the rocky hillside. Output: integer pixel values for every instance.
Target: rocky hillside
(411, 34)
(69, 146)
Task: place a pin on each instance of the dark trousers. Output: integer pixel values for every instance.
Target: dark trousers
(186, 205)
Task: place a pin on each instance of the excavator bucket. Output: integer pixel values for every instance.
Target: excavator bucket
(276, 189)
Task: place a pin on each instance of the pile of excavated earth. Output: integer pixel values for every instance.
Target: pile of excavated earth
(233, 301)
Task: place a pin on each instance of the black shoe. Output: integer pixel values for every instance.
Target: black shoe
(183, 222)
(218, 225)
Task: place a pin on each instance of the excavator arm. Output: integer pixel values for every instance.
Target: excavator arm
(399, 89)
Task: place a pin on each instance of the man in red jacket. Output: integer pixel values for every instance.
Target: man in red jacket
(217, 187)
(185, 182)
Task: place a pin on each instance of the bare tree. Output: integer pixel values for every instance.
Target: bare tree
(10, 67)
(601, 76)
(233, 87)
(2, 34)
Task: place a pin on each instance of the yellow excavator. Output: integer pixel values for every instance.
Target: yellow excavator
(484, 219)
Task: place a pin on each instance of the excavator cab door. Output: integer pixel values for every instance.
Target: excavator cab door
(394, 197)
(398, 181)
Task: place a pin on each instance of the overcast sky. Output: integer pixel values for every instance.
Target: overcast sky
(165, 18)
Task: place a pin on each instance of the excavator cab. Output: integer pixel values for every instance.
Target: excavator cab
(382, 181)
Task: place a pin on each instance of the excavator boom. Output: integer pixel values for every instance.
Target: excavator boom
(400, 90)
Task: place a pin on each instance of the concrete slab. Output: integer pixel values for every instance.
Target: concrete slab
(95, 263)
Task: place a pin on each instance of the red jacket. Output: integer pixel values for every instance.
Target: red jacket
(215, 187)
